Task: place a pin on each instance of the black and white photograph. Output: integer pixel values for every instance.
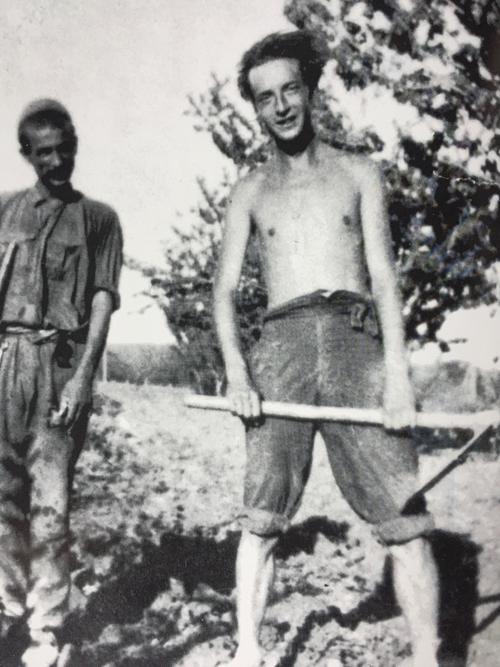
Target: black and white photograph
(250, 333)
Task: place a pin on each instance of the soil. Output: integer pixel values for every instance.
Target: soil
(156, 494)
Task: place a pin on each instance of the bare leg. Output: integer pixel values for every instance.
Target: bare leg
(417, 591)
(254, 578)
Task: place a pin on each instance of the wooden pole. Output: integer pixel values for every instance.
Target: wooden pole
(353, 415)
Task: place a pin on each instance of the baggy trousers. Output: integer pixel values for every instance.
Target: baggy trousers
(324, 349)
(36, 463)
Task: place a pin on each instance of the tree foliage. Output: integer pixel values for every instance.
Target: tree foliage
(413, 85)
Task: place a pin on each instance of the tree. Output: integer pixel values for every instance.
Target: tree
(414, 86)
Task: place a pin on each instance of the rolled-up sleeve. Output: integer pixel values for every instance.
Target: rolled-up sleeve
(108, 257)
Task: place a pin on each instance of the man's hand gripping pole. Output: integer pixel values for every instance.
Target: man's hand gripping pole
(480, 422)
(353, 415)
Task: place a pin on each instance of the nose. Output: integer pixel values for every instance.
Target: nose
(55, 159)
(282, 104)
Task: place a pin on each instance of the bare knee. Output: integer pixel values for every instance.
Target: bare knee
(261, 545)
(413, 553)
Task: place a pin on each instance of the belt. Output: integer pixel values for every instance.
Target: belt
(39, 335)
(360, 309)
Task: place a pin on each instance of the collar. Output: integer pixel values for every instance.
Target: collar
(39, 194)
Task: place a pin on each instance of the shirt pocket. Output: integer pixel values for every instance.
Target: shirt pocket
(64, 303)
(61, 260)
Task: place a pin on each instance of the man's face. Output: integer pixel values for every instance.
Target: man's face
(52, 155)
(281, 97)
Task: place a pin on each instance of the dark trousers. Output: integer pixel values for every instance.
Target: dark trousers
(36, 465)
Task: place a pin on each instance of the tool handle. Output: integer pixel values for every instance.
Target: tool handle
(463, 420)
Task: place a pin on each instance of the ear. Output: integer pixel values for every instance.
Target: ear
(25, 155)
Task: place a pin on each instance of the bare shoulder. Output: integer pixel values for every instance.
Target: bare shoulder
(245, 193)
(361, 169)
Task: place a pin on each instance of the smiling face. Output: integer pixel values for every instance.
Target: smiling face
(280, 97)
(52, 155)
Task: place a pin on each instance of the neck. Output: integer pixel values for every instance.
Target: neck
(58, 192)
(300, 152)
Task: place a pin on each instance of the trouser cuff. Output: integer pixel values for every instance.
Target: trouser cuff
(404, 528)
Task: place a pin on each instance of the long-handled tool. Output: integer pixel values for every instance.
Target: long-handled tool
(354, 415)
(480, 422)
(456, 459)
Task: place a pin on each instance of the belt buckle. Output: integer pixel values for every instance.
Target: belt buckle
(358, 314)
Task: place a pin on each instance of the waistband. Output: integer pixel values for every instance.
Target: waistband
(341, 300)
(42, 335)
(39, 335)
(359, 308)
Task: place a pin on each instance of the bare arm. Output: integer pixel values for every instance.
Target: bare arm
(399, 400)
(77, 393)
(100, 315)
(244, 399)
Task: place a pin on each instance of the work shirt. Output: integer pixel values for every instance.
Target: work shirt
(55, 254)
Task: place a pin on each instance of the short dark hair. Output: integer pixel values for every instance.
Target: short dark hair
(44, 113)
(301, 45)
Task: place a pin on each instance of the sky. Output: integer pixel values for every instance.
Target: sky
(124, 69)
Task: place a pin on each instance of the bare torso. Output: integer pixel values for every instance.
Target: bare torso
(322, 223)
(309, 226)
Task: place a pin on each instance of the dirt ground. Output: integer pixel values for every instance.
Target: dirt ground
(154, 546)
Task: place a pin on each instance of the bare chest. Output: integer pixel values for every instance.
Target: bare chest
(308, 214)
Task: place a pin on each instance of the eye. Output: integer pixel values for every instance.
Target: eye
(264, 99)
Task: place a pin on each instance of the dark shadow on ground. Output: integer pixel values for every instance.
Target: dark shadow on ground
(488, 599)
(487, 621)
(492, 616)
(191, 559)
(13, 646)
(457, 562)
(196, 561)
(302, 538)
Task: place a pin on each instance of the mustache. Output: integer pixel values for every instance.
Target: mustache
(60, 172)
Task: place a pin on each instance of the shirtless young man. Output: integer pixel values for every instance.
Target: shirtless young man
(322, 225)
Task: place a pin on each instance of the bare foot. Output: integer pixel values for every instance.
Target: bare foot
(246, 658)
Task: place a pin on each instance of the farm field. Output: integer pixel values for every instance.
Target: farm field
(156, 493)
